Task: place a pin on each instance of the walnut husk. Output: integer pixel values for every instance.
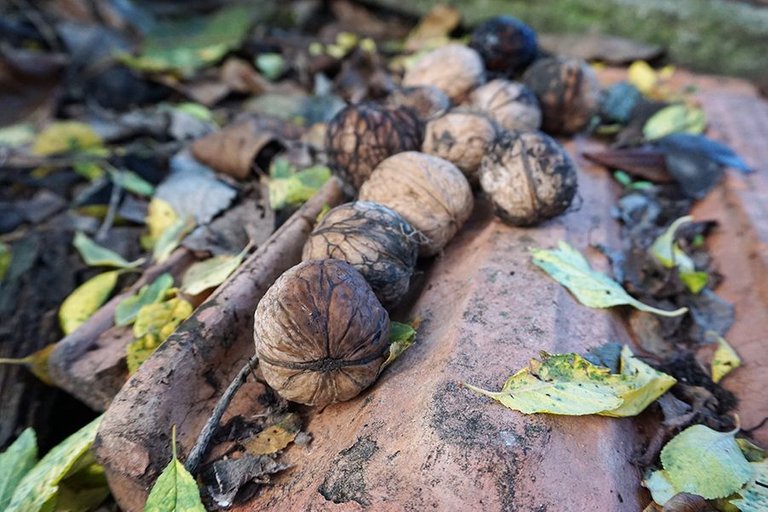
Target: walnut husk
(454, 68)
(375, 240)
(321, 334)
(529, 177)
(511, 104)
(430, 193)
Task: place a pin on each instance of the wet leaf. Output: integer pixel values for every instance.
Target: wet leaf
(131, 182)
(754, 496)
(401, 337)
(210, 273)
(38, 489)
(175, 490)
(37, 363)
(275, 437)
(126, 311)
(86, 300)
(724, 360)
(667, 252)
(15, 462)
(171, 238)
(95, 255)
(675, 119)
(705, 462)
(569, 267)
(662, 490)
(65, 136)
(568, 384)
(298, 187)
(225, 478)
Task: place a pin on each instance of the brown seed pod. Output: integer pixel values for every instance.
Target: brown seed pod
(428, 102)
(511, 104)
(462, 138)
(453, 68)
(321, 335)
(567, 90)
(430, 193)
(375, 240)
(361, 136)
(529, 177)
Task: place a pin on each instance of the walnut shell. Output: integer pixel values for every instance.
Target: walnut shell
(375, 240)
(506, 44)
(428, 102)
(567, 91)
(462, 138)
(430, 193)
(321, 335)
(361, 136)
(529, 177)
(454, 68)
(511, 104)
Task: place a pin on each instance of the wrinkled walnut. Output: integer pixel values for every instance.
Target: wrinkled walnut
(462, 138)
(430, 193)
(375, 240)
(511, 104)
(428, 102)
(529, 177)
(453, 68)
(361, 136)
(321, 335)
(567, 91)
(506, 44)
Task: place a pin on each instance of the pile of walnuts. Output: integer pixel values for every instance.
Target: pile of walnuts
(465, 116)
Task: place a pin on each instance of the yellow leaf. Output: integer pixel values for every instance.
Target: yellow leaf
(86, 300)
(276, 437)
(64, 136)
(161, 318)
(643, 76)
(724, 360)
(160, 216)
(37, 363)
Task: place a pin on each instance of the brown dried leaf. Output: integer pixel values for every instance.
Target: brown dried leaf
(242, 77)
(233, 149)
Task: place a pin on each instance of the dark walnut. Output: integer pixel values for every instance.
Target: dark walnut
(453, 68)
(430, 193)
(511, 104)
(361, 136)
(321, 335)
(375, 240)
(428, 102)
(506, 44)
(567, 91)
(529, 177)
(462, 138)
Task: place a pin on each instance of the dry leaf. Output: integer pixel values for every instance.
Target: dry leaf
(276, 437)
(234, 149)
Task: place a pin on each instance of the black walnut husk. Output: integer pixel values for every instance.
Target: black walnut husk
(567, 91)
(453, 68)
(321, 334)
(529, 177)
(361, 136)
(506, 44)
(375, 240)
(511, 104)
(430, 193)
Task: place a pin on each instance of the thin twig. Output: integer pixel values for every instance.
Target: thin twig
(109, 218)
(204, 439)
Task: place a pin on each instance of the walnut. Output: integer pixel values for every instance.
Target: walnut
(428, 102)
(361, 136)
(568, 93)
(375, 240)
(506, 44)
(321, 335)
(511, 104)
(529, 177)
(462, 138)
(454, 68)
(430, 193)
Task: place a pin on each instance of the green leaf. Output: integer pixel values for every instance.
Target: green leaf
(210, 273)
(187, 45)
(131, 182)
(724, 360)
(401, 337)
(705, 462)
(84, 490)
(296, 188)
(37, 490)
(175, 490)
(675, 119)
(17, 135)
(154, 323)
(5, 260)
(126, 311)
(569, 267)
(568, 384)
(271, 65)
(65, 136)
(196, 110)
(667, 252)
(89, 170)
(15, 462)
(662, 490)
(86, 300)
(754, 496)
(751, 451)
(95, 255)
(170, 238)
